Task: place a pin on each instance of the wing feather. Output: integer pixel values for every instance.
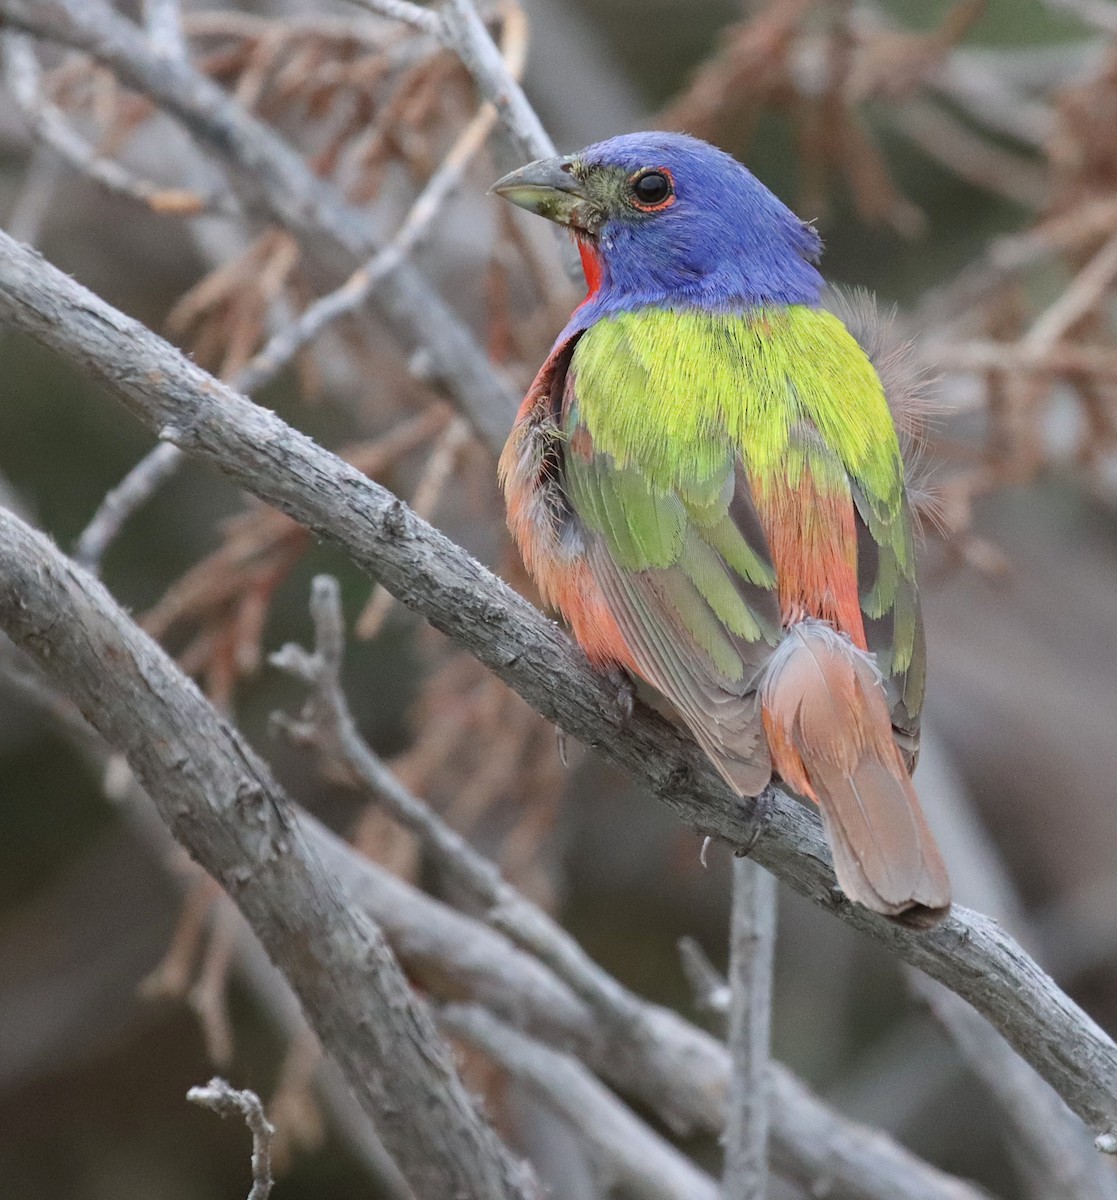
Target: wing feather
(691, 589)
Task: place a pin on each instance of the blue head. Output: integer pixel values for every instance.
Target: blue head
(673, 221)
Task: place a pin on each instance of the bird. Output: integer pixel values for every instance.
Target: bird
(705, 479)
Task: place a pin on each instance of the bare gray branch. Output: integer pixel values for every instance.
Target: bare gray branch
(222, 803)
(625, 1152)
(752, 948)
(969, 953)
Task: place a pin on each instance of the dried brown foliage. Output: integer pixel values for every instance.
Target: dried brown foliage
(375, 108)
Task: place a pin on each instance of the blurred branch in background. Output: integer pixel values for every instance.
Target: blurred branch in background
(321, 163)
(752, 953)
(651, 1052)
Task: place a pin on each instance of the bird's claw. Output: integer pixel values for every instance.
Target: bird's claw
(560, 745)
(757, 823)
(624, 697)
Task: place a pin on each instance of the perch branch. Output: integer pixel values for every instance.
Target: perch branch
(969, 953)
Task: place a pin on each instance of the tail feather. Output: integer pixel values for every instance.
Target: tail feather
(831, 739)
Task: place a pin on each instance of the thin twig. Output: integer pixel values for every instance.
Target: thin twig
(226, 1101)
(751, 960)
(282, 347)
(619, 1014)
(466, 35)
(1083, 292)
(709, 989)
(460, 29)
(121, 502)
(330, 722)
(49, 122)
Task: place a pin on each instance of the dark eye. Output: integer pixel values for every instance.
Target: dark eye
(653, 189)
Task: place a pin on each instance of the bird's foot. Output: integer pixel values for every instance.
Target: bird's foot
(624, 695)
(560, 745)
(762, 808)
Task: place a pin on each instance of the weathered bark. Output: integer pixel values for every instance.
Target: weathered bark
(969, 953)
(223, 805)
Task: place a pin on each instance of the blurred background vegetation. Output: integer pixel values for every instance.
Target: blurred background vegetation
(861, 115)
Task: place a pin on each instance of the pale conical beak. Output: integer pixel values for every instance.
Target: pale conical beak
(548, 187)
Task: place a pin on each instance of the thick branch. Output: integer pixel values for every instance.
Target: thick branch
(222, 803)
(671, 1066)
(969, 953)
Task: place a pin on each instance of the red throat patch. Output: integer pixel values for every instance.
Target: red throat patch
(591, 266)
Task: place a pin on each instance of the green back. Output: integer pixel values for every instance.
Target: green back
(673, 421)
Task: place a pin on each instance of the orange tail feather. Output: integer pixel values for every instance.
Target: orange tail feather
(831, 739)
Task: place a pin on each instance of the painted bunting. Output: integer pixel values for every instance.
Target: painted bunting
(705, 479)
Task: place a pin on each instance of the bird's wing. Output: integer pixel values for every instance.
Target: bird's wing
(683, 564)
(671, 421)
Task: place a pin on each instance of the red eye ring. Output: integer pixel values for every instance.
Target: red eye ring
(659, 174)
